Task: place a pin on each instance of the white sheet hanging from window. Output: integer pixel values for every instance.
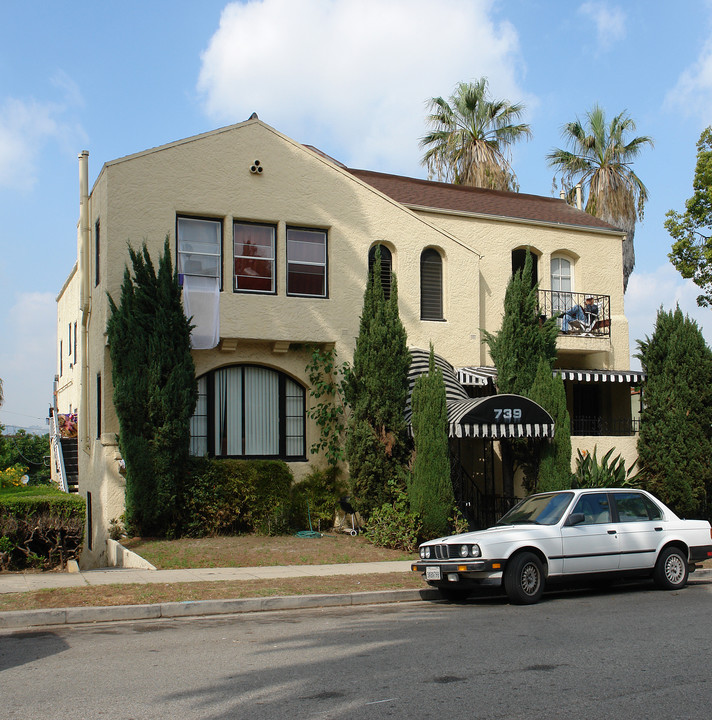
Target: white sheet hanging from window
(201, 301)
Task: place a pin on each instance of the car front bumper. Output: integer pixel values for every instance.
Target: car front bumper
(478, 571)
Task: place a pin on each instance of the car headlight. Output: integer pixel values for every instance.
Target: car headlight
(475, 551)
(425, 552)
(464, 550)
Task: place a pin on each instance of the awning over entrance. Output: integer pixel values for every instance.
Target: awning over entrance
(493, 417)
(482, 376)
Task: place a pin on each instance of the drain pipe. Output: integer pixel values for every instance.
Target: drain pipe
(83, 255)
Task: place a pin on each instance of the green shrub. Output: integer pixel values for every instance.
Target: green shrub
(40, 528)
(315, 498)
(393, 525)
(591, 474)
(234, 496)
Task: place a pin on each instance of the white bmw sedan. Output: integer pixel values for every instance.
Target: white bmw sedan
(572, 534)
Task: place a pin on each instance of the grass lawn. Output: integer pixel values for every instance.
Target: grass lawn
(260, 551)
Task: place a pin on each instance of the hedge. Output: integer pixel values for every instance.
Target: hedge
(40, 528)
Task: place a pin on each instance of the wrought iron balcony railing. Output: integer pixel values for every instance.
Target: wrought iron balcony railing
(554, 303)
(616, 426)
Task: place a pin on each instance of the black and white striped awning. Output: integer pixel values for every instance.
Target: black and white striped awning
(482, 376)
(492, 417)
(630, 377)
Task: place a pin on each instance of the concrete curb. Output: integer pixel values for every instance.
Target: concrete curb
(198, 608)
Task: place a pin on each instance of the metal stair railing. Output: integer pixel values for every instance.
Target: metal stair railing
(55, 438)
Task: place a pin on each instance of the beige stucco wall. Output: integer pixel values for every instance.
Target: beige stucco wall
(67, 370)
(138, 198)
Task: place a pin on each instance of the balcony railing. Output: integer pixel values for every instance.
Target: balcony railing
(617, 426)
(554, 302)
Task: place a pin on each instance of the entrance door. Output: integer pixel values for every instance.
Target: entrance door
(587, 409)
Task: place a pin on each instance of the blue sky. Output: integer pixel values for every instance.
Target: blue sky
(349, 76)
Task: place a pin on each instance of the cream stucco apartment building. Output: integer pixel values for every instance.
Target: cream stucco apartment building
(272, 240)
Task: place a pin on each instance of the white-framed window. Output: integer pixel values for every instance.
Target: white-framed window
(249, 411)
(562, 284)
(306, 262)
(199, 247)
(253, 256)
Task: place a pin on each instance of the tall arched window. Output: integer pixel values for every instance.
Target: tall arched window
(431, 285)
(562, 284)
(248, 411)
(519, 257)
(386, 267)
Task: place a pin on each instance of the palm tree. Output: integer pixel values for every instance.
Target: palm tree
(471, 137)
(600, 158)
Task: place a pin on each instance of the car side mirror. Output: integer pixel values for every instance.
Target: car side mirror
(575, 519)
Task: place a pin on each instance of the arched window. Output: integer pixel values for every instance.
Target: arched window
(431, 285)
(386, 267)
(248, 411)
(519, 256)
(562, 284)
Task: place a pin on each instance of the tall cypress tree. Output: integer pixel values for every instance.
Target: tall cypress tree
(430, 487)
(675, 442)
(376, 391)
(155, 391)
(516, 349)
(554, 471)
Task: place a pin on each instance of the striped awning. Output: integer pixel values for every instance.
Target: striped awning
(630, 377)
(492, 417)
(482, 376)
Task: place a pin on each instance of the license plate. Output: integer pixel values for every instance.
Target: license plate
(432, 573)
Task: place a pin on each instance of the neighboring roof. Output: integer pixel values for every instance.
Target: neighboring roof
(490, 417)
(414, 192)
(483, 376)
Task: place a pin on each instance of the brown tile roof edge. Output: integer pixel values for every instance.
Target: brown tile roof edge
(460, 198)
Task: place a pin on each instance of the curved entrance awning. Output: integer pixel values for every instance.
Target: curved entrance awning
(492, 417)
(499, 416)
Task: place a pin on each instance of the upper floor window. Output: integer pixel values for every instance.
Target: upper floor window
(519, 257)
(306, 262)
(97, 249)
(199, 247)
(431, 285)
(254, 251)
(249, 411)
(386, 267)
(561, 275)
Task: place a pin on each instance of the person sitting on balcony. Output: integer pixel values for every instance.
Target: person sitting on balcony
(578, 316)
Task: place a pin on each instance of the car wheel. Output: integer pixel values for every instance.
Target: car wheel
(671, 569)
(524, 579)
(454, 594)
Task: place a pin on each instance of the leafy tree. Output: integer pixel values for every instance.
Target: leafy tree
(430, 487)
(471, 136)
(554, 471)
(675, 442)
(376, 390)
(155, 391)
(599, 157)
(516, 349)
(27, 450)
(692, 230)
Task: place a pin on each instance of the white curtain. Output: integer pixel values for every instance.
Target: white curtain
(228, 418)
(201, 301)
(261, 411)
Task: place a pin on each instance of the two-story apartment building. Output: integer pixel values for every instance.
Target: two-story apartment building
(272, 240)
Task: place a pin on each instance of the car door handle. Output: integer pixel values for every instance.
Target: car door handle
(612, 532)
(658, 529)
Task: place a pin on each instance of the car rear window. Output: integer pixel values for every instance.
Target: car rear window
(634, 507)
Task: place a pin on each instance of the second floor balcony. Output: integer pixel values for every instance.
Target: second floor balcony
(586, 314)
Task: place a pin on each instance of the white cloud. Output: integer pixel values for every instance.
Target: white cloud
(609, 21)
(28, 362)
(663, 286)
(693, 92)
(354, 75)
(27, 125)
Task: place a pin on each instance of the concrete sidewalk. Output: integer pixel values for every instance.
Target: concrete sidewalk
(25, 582)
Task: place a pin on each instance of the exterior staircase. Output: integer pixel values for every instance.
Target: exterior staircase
(70, 453)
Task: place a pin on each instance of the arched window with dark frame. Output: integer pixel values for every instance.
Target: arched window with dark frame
(431, 285)
(519, 256)
(386, 267)
(249, 411)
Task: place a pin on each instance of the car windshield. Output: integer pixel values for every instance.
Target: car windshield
(538, 509)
